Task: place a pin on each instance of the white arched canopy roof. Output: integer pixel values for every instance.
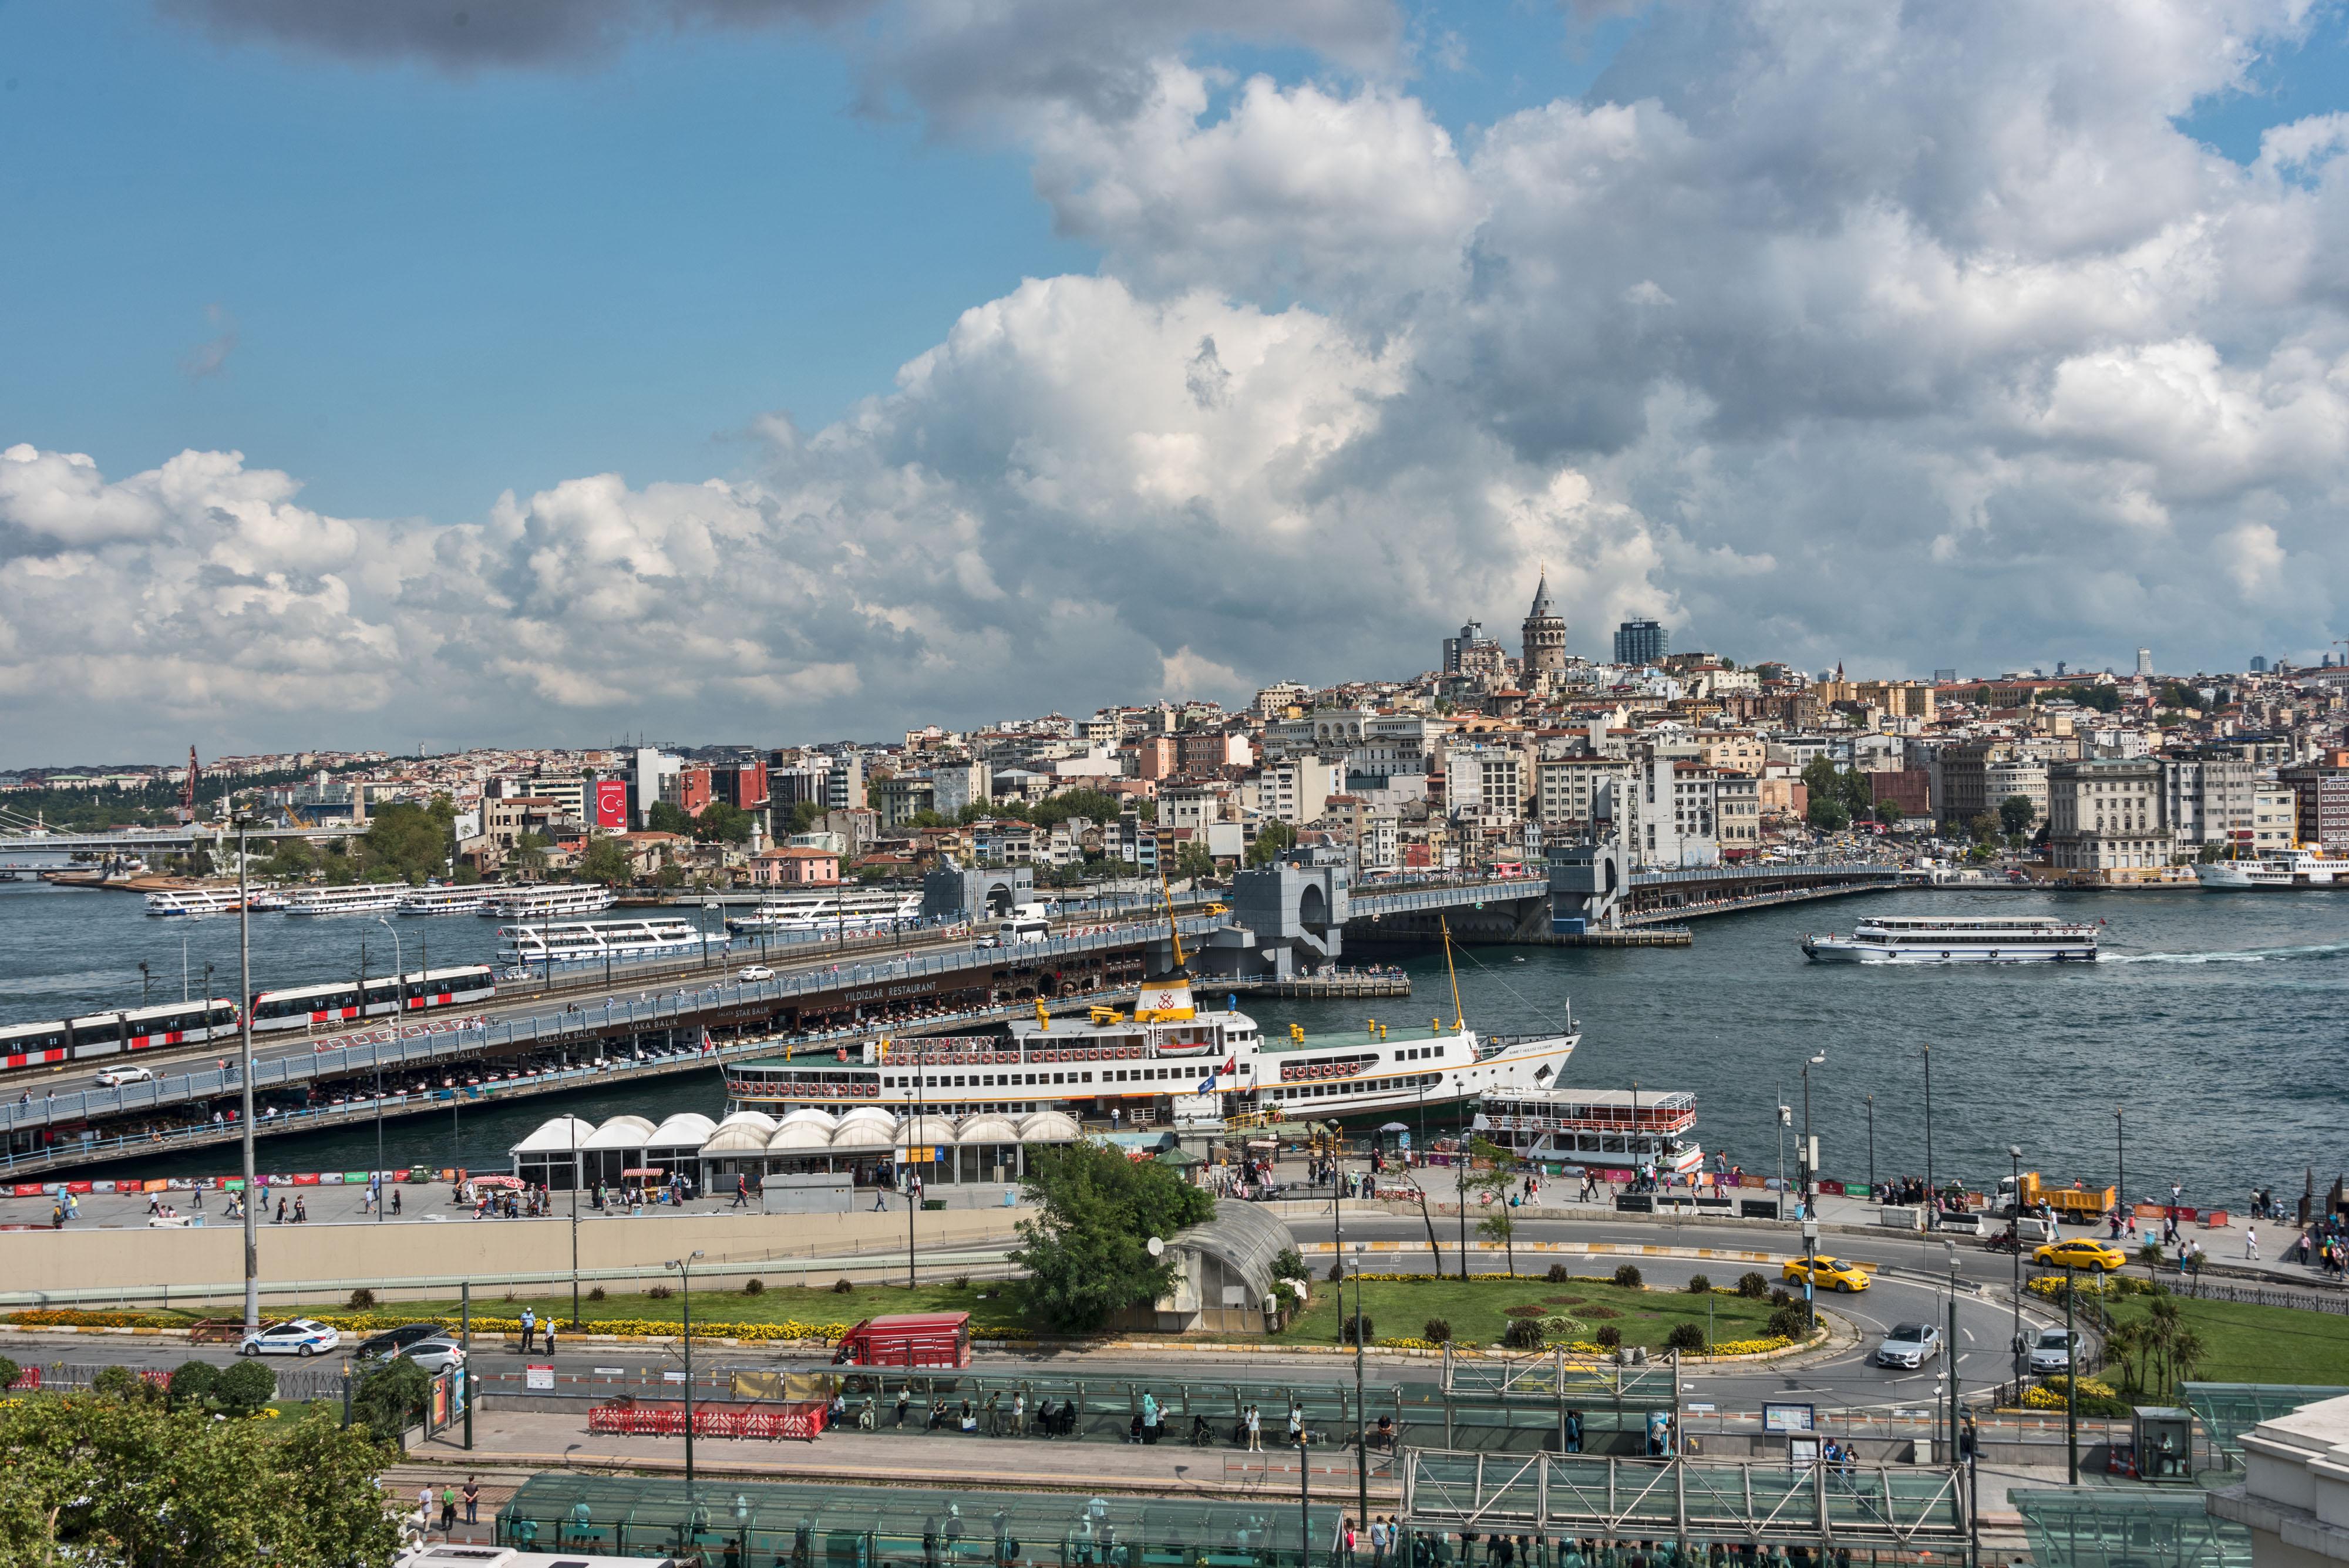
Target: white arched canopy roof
(808, 1116)
(927, 1130)
(620, 1132)
(983, 1129)
(855, 1133)
(560, 1136)
(801, 1137)
(760, 1119)
(685, 1129)
(739, 1138)
(1048, 1127)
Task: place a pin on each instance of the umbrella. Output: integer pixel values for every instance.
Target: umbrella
(1393, 1126)
(642, 1170)
(513, 1182)
(1179, 1156)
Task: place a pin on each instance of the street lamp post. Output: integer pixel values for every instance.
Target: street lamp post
(1932, 1193)
(142, 985)
(1361, 1416)
(1871, 1147)
(244, 1073)
(1805, 1161)
(684, 1267)
(399, 1010)
(2120, 1158)
(2014, 1229)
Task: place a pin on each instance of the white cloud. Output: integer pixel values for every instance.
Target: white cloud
(1904, 336)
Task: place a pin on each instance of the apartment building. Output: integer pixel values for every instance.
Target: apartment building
(1567, 791)
(1483, 783)
(1673, 820)
(2322, 789)
(1294, 791)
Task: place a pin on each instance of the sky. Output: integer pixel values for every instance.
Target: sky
(778, 370)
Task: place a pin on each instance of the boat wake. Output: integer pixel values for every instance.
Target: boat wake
(2253, 955)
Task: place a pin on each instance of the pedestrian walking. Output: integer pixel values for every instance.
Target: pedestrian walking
(2252, 1243)
(741, 1192)
(301, 1210)
(394, 1200)
(281, 1211)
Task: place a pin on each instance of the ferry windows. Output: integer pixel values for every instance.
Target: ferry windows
(1089, 1077)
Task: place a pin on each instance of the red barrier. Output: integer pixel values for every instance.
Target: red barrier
(803, 1421)
(25, 1190)
(307, 1178)
(29, 1379)
(81, 1188)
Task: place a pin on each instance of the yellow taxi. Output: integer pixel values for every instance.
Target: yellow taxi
(1827, 1275)
(2080, 1253)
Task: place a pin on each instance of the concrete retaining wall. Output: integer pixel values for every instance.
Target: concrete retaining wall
(487, 1251)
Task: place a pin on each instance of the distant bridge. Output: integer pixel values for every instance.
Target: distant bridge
(40, 851)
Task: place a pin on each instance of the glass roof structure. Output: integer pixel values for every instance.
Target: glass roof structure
(2128, 1527)
(812, 1525)
(2228, 1410)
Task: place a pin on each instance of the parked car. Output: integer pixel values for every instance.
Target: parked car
(2053, 1351)
(1827, 1275)
(2080, 1253)
(437, 1353)
(1910, 1345)
(303, 1336)
(757, 971)
(115, 1077)
(392, 1341)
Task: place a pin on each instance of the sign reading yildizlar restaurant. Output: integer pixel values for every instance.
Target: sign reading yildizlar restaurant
(901, 990)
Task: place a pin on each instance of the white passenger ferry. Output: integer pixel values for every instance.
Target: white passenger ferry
(192, 901)
(1945, 939)
(358, 898)
(2292, 869)
(441, 899)
(539, 900)
(1618, 1129)
(829, 914)
(1168, 1049)
(594, 941)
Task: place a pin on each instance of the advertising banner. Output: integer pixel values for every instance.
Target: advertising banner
(612, 804)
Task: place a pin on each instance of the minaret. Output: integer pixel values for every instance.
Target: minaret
(1545, 633)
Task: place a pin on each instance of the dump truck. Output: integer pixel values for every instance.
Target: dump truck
(2079, 1204)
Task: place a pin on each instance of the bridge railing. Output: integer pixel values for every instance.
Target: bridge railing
(1762, 874)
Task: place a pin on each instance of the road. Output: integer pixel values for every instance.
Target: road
(1911, 1287)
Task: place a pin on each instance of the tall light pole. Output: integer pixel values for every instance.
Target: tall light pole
(2014, 1229)
(400, 1011)
(244, 1073)
(2121, 1157)
(1361, 1416)
(1932, 1193)
(1809, 1175)
(1871, 1149)
(684, 1267)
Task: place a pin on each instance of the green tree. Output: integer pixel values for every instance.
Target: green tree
(1086, 1254)
(1984, 828)
(291, 858)
(530, 852)
(722, 824)
(1490, 1176)
(110, 1481)
(192, 1385)
(1097, 804)
(1826, 814)
(1271, 839)
(413, 842)
(246, 1387)
(392, 1398)
(806, 815)
(1193, 862)
(605, 861)
(1889, 811)
(667, 817)
(2016, 813)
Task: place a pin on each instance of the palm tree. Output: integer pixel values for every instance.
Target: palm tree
(2125, 1346)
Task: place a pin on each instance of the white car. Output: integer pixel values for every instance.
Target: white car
(2054, 1351)
(303, 1336)
(1910, 1345)
(115, 1077)
(436, 1354)
(757, 971)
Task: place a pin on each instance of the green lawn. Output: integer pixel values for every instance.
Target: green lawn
(1477, 1310)
(2258, 1344)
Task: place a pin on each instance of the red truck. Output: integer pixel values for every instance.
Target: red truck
(909, 1339)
